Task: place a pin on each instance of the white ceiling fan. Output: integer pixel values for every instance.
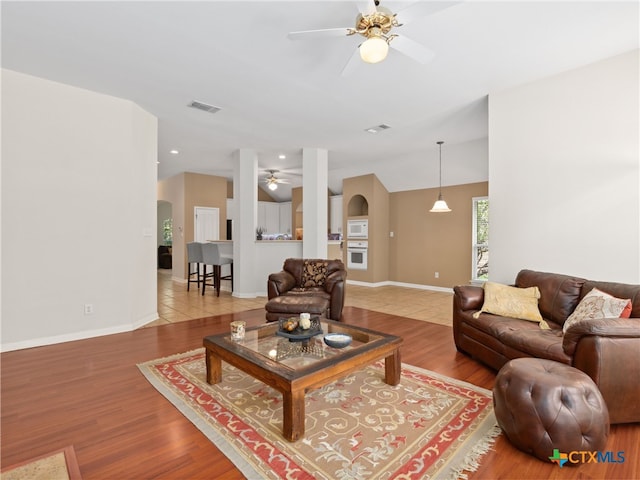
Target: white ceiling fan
(272, 181)
(377, 25)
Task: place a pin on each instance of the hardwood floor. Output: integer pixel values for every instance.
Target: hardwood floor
(91, 395)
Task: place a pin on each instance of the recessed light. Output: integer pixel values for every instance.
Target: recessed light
(282, 156)
(174, 152)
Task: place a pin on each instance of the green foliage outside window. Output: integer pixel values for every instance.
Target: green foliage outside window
(481, 247)
(167, 231)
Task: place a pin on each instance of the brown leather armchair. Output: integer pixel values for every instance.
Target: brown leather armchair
(316, 286)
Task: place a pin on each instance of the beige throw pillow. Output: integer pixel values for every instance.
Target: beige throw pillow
(598, 304)
(511, 302)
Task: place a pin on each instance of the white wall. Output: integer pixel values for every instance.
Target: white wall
(78, 213)
(564, 174)
(269, 258)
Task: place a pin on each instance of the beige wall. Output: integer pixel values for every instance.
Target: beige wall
(425, 243)
(172, 190)
(186, 191)
(377, 211)
(204, 191)
(263, 196)
(296, 202)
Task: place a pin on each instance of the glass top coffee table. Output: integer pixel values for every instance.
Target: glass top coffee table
(295, 367)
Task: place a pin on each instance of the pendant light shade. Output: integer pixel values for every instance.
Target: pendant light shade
(440, 206)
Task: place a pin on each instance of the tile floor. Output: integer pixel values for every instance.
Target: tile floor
(175, 304)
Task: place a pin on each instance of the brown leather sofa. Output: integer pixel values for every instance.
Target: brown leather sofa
(608, 350)
(316, 286)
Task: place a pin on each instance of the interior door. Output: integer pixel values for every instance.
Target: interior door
(207, 224)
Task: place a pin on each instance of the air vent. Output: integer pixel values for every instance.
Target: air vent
(377, 128)
(204, 106)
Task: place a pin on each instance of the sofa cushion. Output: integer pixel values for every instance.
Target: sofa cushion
(559, 294)
(511, 302)
(598, 304)
(314, 273)
(522, 337)
(620, 290)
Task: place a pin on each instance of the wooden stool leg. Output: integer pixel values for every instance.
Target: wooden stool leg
(216, 278)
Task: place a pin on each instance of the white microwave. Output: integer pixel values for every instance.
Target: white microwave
(357, 228)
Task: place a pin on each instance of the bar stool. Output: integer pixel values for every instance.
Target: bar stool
(194, 255)
(211, 256)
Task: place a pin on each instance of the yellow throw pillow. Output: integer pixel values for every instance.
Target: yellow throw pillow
(511, 302)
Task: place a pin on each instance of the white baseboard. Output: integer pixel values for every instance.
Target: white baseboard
(144, 320)
(400, 284)
(71, 337)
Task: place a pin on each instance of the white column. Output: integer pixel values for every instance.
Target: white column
(314, 202)
(245, 217)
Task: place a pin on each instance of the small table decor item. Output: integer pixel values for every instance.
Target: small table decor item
(290, 328)
(337, 340)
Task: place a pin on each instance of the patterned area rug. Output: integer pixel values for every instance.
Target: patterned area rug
(429, 426)
(60, 465)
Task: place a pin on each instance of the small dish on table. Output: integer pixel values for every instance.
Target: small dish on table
(338, 340)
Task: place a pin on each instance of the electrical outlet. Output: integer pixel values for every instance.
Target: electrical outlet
(437, 275)
(391, 234)
(88, 309)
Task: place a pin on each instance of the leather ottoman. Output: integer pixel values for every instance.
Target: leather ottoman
(294, 305)
(542, 405)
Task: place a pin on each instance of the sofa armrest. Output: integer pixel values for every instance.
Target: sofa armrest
(279, 283)
(608, 350)
(334, 278)
(601, 327)
(468, 297)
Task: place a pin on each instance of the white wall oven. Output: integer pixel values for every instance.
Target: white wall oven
(357, 255)
(358, 228)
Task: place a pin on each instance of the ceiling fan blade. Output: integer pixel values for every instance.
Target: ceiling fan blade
(327, 32)
(352, 63)
(412, 49)
(366, 7)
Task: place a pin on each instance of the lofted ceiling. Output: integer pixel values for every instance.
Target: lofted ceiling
(278, 96)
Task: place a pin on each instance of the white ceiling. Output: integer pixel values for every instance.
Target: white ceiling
(278, 96)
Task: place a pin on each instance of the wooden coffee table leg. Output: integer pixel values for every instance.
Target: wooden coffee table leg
(293, 415)
(214, 367)
(392, 367)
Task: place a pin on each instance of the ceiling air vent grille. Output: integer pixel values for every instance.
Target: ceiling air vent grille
(377, 128)
(204, 106)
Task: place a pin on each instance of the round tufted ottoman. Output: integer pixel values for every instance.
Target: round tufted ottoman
(541, 405)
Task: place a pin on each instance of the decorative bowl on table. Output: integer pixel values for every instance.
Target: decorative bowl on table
(337, 340)
(290, 328)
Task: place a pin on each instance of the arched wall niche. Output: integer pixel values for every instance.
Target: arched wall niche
(358, 206)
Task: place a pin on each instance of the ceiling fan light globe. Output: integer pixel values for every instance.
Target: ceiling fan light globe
(273, 186)
(374, 50)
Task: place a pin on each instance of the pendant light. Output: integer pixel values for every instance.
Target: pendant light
(440, 206)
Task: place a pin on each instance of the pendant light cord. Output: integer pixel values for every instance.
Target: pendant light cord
(440, 144)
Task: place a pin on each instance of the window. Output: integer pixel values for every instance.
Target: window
(480, 241)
